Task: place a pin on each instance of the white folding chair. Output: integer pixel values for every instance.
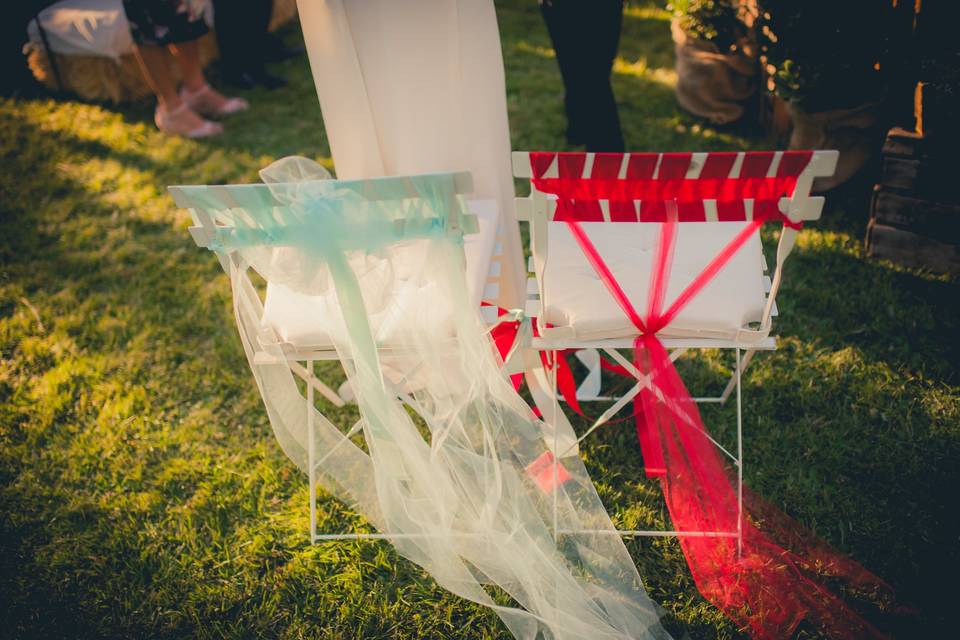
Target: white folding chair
(572, 309)
(289, 328)
(289, 317)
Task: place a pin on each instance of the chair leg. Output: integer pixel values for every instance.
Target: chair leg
(311, 454)
(738, 374)
(557, 430)
(555, 408)
(589, 389)
(314, 383)
(747, 357)
(610, 412)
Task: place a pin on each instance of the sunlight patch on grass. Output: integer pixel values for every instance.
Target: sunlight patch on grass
(647, 13)
(87, 122)
(640, 69)
(813, 239)
(543, 52)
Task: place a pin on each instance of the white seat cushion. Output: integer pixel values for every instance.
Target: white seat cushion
(88, 28)
(577, 302)
(85, 28)
(306, 321)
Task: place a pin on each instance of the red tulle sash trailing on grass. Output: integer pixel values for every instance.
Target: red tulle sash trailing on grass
(778, 578)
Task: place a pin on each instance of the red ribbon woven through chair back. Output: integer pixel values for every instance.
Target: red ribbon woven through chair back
(777, 579)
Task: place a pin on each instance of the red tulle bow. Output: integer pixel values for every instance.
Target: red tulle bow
(776, 578)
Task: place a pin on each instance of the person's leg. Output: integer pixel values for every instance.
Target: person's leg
(155, 65)
(172, 115)
(201, 97)
(274, 48)
(151, 22)
(187, 55)
(602, 29)
(560, 19)
(241, 27)
(585, 37)
(267, 47)
(260, 13)
(231, 32)
(235, 35)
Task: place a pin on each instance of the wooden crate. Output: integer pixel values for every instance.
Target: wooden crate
(911, 249)
(915, 209)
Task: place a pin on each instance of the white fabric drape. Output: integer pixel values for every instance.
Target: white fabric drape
(417, 86)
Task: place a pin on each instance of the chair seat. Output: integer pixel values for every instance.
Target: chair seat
(578, 304)
(306, 321)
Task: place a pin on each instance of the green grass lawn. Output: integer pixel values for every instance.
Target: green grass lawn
(141, 490)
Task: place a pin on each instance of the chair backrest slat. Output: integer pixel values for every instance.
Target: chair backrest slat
(822, 163)
(204, 201)
(712, 186)
(244, 195)
(708, 187)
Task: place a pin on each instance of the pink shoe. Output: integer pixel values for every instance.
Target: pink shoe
(208, 102)
(183, 121)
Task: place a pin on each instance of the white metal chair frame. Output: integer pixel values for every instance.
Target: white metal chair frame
(301, 362)
(538, 209)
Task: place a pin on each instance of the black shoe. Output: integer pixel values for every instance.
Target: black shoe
(280, 52)
(239, 79)
(268, 80)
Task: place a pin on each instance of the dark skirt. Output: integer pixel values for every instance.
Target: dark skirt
(163, 22)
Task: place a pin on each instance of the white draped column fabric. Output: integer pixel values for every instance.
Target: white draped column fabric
(417, 86)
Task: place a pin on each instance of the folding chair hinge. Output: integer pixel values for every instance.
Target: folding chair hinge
(267, 336)
(749, 336)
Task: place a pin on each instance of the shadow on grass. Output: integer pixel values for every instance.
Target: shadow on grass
(904, 320)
